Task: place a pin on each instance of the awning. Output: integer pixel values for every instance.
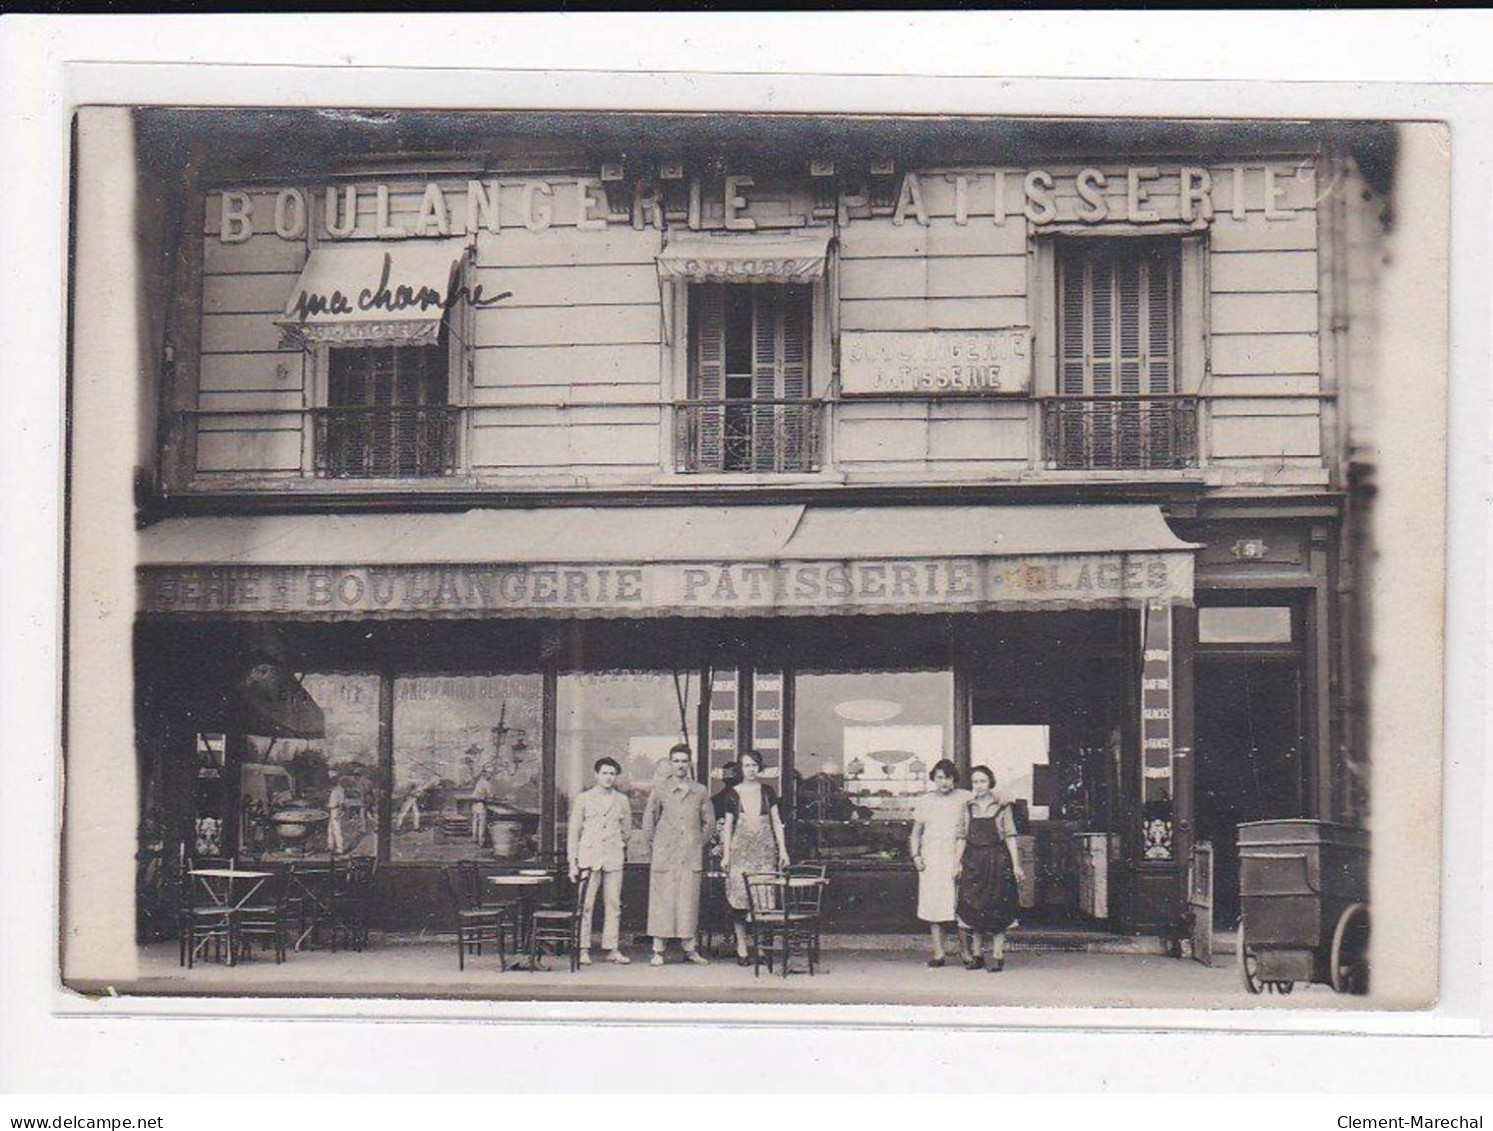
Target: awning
(745, 257)
(664, 561)
(273, 703)
(394, 292)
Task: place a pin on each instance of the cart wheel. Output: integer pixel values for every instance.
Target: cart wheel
(1350, 951)
(1249, 967)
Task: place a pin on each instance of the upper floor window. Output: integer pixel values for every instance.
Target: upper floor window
(388, 412)
(749, 407)
(1117, 348)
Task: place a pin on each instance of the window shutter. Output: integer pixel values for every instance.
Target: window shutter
(767, 373)
(795, 433)
(710, 370)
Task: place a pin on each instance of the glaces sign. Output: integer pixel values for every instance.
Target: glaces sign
(936, 362)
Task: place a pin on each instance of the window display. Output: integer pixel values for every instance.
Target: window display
(864, 743)
(633, 717)
(467, 767)
(310, 796)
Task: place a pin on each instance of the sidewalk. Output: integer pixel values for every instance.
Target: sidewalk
(405, 965)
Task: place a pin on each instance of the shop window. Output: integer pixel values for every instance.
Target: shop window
(749, 408)
(388, 412)
(1117, 355)
(1244, 625)
(468, 774)
(633, 717)
(310, 796)
(864, 743)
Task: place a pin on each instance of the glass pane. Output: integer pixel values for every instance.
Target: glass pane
(467, 767)
(632, 717)
(1244, 626)
(309, 796)
(1019, 755)
(864, 743)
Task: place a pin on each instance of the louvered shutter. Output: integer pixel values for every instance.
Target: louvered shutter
(795, 434)
(709, 322)
(767, 356)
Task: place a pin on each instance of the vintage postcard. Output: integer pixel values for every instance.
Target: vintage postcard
(801, 558)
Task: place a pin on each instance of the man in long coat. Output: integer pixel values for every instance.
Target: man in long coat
(677, 825)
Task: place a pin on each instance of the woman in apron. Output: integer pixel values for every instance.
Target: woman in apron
(753, 838)
(937, 843)
(989, 875)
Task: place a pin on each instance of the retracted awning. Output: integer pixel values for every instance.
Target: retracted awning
(390, 292)
(745, 257)
(664, 561)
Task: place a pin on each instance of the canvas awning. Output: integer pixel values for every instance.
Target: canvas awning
(745, 257)
(392, 292)
(664, 561)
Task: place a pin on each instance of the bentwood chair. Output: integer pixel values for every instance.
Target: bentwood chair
(347, 913)
(560, 927)
(782, 918)
(267, 919)
(200, 922)
(475, 927)
(806, 884)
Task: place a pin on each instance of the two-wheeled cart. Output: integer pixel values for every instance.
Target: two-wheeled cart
(1303, 888)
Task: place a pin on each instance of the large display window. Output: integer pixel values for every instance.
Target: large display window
(633, 717)
(468, 767)
(864, 743)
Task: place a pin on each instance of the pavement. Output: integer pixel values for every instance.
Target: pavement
(858, 972)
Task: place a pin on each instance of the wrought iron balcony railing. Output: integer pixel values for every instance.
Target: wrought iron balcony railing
(385, 442)
(764, 436)
(1139, 433)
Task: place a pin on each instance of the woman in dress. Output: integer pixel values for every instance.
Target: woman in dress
(989, 875)
(937, 843)
(753, 838)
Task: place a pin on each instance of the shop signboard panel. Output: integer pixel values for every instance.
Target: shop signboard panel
(672, 588)
(936, 362)
(1156, 731)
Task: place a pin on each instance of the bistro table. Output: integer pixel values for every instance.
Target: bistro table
(525, 884)
(218, 883)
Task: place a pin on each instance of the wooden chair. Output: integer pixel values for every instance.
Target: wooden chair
(561, 926)
(783, 919)
(267, 919)
(806, 901)
(475, 926)
(351, 892)
(200, 921)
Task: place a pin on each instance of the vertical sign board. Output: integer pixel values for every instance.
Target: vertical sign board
(767, 720)
(721, 733)
(1156, 731)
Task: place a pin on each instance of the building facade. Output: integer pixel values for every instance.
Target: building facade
(488, 445)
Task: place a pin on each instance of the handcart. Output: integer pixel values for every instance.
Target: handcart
(1303, 888)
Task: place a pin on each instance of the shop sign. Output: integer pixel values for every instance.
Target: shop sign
(670, 588)
(936, 362)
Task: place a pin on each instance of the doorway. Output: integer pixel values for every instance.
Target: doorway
(1249, 759)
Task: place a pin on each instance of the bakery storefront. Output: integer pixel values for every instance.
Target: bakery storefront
(483, 660)
(473, 472)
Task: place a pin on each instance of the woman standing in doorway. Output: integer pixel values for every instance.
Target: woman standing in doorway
(753, 838)
(989, 875)
(937, 843)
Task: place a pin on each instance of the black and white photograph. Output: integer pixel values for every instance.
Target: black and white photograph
(632, 556)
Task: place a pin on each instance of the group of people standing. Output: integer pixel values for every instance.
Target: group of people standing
(969, 870)
(963, 844)
(678, 824)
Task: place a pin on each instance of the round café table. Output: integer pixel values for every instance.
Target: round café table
(525, 887)
(219, 883)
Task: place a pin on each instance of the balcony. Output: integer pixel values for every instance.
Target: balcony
(385, 442)
(748, 436)
(1138, 433)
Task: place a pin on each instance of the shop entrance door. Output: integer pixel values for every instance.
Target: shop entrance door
(1249, 759)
